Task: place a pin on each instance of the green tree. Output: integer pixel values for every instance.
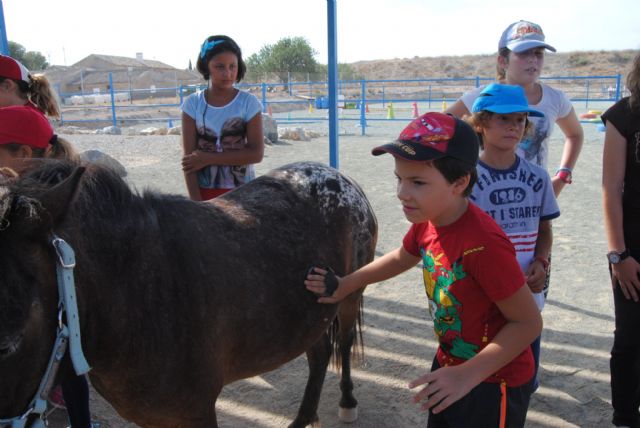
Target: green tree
(291, 54)
(31, 59)
(345, 72)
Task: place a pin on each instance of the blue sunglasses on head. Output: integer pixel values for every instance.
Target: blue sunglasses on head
(207, 46)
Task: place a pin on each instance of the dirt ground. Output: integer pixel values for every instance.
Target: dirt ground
(399, 342)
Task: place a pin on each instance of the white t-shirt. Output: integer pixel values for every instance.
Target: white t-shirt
(535, 146)
(219, 129)
(517, 198)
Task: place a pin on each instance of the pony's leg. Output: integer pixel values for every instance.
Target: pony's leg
(348, 314)
(318, 357)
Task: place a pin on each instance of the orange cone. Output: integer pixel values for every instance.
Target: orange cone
(415, 110)
(366, 108)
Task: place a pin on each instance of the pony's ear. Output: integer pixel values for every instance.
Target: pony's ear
(57, 199)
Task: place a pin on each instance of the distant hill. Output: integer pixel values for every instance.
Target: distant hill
(579, 63)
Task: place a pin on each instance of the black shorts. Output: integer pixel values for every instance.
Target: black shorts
(480, 408)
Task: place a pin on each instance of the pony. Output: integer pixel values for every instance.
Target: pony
(178, 298)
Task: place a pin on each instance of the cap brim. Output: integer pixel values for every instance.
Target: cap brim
(512, 108)
(525, 45)
(408, 150)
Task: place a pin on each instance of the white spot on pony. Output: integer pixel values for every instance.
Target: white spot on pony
(333, 189)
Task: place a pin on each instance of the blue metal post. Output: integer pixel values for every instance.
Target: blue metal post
(363, 108)
(618, 90)
(477, 81)
(429, 97)
(113, 101)
(181, 94)
(332, 66)
(4, 43)
(264, 97)
(586, 102)
(383, 106)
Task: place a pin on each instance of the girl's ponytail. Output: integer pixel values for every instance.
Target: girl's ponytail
(59, 148)
(41, 94)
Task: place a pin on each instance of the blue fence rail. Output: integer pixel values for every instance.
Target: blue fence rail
(359, 101)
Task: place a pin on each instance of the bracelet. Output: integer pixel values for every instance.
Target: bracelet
(544, 261)
(564, 174)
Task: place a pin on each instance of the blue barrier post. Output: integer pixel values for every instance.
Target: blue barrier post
(618, 81)
(4, 43)
(264, 97)
(477, 81)
(113, 101)
(363, 108)
(586, 101)
(383, 97)
(429, 97)
(332, 68)
(181, 95)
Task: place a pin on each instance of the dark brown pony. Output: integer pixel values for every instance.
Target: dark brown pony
(179, 298)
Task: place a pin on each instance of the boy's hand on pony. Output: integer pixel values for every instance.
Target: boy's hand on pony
(444, 387)
(323, 282)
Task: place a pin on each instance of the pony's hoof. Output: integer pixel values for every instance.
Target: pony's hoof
(348, 415)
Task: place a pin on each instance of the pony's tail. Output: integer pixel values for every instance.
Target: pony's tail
(353, 327)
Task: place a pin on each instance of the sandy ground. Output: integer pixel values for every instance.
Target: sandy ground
(399, 342)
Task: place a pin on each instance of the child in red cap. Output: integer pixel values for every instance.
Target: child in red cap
(25, 133)
(19, 87)
(483, 313)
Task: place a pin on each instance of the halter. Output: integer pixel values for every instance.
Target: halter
(67, 336)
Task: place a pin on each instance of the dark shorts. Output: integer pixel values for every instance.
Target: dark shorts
(481, 408)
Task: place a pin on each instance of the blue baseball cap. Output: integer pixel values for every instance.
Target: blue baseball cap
(499, 98)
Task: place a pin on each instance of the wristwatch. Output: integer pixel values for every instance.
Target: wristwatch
(616, 257)
(565, 174)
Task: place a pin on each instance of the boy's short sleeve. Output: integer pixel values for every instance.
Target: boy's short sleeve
(410, 241)
(496, 269)
(550, 208)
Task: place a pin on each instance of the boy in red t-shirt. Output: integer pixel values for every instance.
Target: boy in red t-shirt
(483, 313)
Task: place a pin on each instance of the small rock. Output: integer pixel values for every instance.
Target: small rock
(110, 130)
(270, 128)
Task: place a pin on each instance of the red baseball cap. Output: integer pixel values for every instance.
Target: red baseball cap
(432, 136)
(13, 69)
(24, 125)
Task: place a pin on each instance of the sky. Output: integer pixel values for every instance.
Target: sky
(66, 31)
